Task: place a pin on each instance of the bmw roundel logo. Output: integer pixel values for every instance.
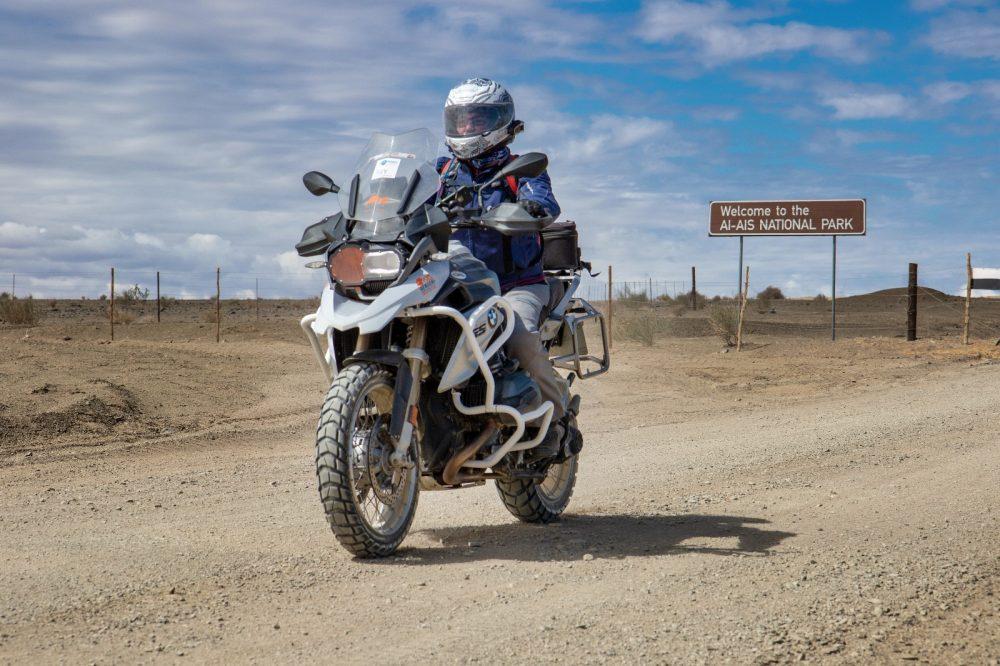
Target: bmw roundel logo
(492, 316)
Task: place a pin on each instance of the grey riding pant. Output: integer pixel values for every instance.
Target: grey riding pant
(525, 345)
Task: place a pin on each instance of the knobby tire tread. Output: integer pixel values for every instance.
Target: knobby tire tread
(333, 469)
(522, 500)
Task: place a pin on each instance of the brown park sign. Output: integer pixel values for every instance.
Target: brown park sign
(825, 217)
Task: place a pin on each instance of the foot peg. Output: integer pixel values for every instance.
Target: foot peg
(574, 405)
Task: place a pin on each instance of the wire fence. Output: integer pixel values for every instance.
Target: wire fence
(860, 309)
(186, 285)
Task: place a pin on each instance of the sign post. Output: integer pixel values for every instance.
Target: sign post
(739, 276)
(833, 295)
(819, 217)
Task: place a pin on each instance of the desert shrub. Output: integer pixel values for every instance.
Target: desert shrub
(679, 308)
(700, 299)
(626, 296)
(762, 305)
(645, 329)
(18, 311)
(724, 320)
(665, 299)
(133, 294)
(124, 316)
(103, 297)
(209, 316)
(4, 296)
(821, 298)
(771, 293)
(167, 302)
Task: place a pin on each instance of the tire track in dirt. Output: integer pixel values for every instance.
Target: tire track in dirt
(757, 535)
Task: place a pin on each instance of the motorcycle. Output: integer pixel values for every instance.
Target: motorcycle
(422, 394)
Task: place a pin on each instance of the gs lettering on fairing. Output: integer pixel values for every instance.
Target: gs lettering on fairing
(422, 394)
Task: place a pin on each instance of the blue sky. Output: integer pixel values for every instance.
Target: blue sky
(173, 136)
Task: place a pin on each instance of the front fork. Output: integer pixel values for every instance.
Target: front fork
(407, 395)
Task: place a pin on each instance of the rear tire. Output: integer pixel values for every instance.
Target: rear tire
(367, 503)
(540, 501)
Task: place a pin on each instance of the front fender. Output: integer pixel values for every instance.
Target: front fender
(341, 313)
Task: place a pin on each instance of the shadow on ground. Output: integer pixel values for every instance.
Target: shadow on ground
(603, 536)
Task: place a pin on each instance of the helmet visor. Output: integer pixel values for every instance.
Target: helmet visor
(472, 119)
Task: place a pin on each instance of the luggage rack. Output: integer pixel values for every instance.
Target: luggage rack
(579, 312)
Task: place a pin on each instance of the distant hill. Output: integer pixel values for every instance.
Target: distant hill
(901, 292)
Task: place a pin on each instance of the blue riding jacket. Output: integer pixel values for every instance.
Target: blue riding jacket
(523, 266)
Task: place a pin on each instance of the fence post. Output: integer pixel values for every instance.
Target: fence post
(157, 297)
(611, 297)
(111, 309)
(256, 292)
(745, 291)
(13, 285)
(694, 291)
(218, 302)
(911, 310)
(968, 298)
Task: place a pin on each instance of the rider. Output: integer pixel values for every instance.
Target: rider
(479, 124)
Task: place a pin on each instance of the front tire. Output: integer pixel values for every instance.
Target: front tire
(540, 501)
(368, 503)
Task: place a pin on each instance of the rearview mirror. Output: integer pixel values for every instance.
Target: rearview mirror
(528, 165)
(319, 183)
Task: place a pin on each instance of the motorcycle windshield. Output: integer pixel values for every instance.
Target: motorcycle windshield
(391, 168)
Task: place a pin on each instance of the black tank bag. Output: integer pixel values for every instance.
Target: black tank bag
(560, 247)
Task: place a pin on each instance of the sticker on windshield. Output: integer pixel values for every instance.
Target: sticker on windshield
(386, 168)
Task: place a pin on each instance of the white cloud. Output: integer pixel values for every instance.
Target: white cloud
(853, 137)
(208, 244)
(13, 234)
(716, 113)
(934, 5)
(173, 137)
(607, 133)
(968, 34)
(722, 33)
(292, 264)
(857, 105)
(944, 92)
(149, 239)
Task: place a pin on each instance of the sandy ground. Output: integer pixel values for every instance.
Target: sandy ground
(799, 500)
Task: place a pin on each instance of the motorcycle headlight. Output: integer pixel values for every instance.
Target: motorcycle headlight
(345, 266)
(381, 265)
(351, 266)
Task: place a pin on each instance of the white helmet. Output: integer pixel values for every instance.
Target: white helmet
(479, 116)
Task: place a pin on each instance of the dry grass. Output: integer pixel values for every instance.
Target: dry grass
(724, 320)
(18, 311)
(642, 327)
(627, 297)
(123, 315)
(210, 316)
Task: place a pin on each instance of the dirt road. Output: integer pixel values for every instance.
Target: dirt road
(746, 511)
